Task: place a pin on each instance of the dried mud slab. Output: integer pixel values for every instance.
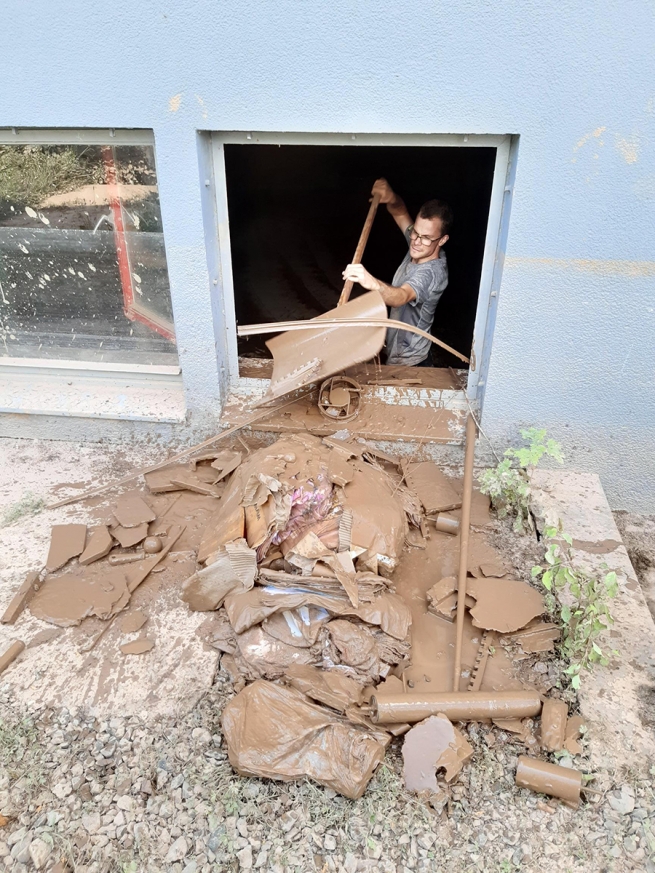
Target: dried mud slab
(503, 605)
(138, 647)
(132, 510)
(44, 636)
(66, 542)
(434, 489)
(133, 622)
(575, 727)
(99, 545)
(130, 536)
(65, 601)
(429, 746)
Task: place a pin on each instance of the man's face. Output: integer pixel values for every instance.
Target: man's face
(425, 238)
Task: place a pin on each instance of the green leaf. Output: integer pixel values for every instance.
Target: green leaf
(575, 681)
(536, 571)
(567, 538)
(547, 579)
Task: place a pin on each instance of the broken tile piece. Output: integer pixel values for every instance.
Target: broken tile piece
(21, 598)
(433, 744)
(130, 536)
(503, 605)
(138, 647)
(132, 510)
(133, 622)
(66, 542)
(99, 545)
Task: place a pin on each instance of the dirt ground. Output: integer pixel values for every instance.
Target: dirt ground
(157, 793)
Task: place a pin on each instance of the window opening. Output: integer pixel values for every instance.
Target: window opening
(83, 273)
(296, 212)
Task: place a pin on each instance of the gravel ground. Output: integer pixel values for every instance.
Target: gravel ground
(135, 795)
(158, 794)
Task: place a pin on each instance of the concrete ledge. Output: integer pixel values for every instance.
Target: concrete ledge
(616, 700)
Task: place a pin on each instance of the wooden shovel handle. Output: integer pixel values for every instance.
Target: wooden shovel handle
(361, 245)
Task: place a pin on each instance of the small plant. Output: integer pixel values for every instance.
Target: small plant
(580, 598)
(27, 505)
(508, 484)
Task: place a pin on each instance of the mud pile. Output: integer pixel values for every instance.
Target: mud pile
(325, 569)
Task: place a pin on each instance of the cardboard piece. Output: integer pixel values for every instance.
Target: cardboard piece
(433, 488)
(130, 536)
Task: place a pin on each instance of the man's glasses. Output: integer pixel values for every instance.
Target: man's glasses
(424, 240)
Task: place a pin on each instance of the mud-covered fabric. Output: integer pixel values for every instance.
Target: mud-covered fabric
(429, 280)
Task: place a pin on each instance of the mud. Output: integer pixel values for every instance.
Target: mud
(131, 511)
(554, 716)
(130, 536)
(432, 745)
(434, 489)
(66, 600)
(138, 647)
(550, 779)
(575, 727)
(99, 545)
(133, 622)
(66, 542)
(503, 605)
(456, 706)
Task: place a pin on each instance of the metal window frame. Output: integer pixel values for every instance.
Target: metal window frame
(83, 136)
(496, 236)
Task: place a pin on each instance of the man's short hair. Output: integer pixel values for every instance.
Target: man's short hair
(438, 209)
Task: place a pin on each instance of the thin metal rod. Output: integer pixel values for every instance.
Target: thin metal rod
(361, 245)
(318, 323)
(251, 420)
(465, 524)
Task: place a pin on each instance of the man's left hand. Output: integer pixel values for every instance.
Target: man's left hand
(358, 273)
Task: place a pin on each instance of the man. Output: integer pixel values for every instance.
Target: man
(418, 282)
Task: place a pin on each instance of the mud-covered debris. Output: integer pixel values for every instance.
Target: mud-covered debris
(275, 732)
(429, 746)
(131, 511)
(66, 542)
(99, 545)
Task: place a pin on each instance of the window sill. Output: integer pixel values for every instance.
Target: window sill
(29, 389)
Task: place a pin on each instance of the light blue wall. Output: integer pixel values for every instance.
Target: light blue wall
(573, 348)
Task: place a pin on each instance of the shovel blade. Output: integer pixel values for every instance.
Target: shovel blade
(301, 357)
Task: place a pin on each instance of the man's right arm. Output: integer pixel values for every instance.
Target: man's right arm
(395, 204)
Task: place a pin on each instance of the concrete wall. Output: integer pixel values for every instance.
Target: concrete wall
(573, 348)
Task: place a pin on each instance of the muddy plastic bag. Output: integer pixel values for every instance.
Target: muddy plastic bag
(274, 732)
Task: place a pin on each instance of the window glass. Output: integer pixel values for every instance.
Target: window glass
(83, 271)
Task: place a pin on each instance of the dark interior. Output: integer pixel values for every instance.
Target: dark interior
(296, 213)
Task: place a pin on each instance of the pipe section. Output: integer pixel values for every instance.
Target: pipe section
(456, 705)
(471, 435)
(549, 779)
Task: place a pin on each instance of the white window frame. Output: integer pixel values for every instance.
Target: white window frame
(500, 202)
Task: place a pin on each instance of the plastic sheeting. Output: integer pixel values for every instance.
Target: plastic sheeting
(274, 732)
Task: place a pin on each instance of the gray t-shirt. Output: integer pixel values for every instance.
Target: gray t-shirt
(429, 281)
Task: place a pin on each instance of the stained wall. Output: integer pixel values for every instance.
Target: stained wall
(573, 346)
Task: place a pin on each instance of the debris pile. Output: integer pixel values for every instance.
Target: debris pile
(326, 568)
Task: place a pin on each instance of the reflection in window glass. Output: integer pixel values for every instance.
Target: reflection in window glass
(82, 261)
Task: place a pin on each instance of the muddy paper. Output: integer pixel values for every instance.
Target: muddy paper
(325, 686)
(235, 568)
(269, 657)
(275, 733)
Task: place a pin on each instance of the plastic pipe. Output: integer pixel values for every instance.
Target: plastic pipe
(551, 779)
(471, 434)
(457, 705)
